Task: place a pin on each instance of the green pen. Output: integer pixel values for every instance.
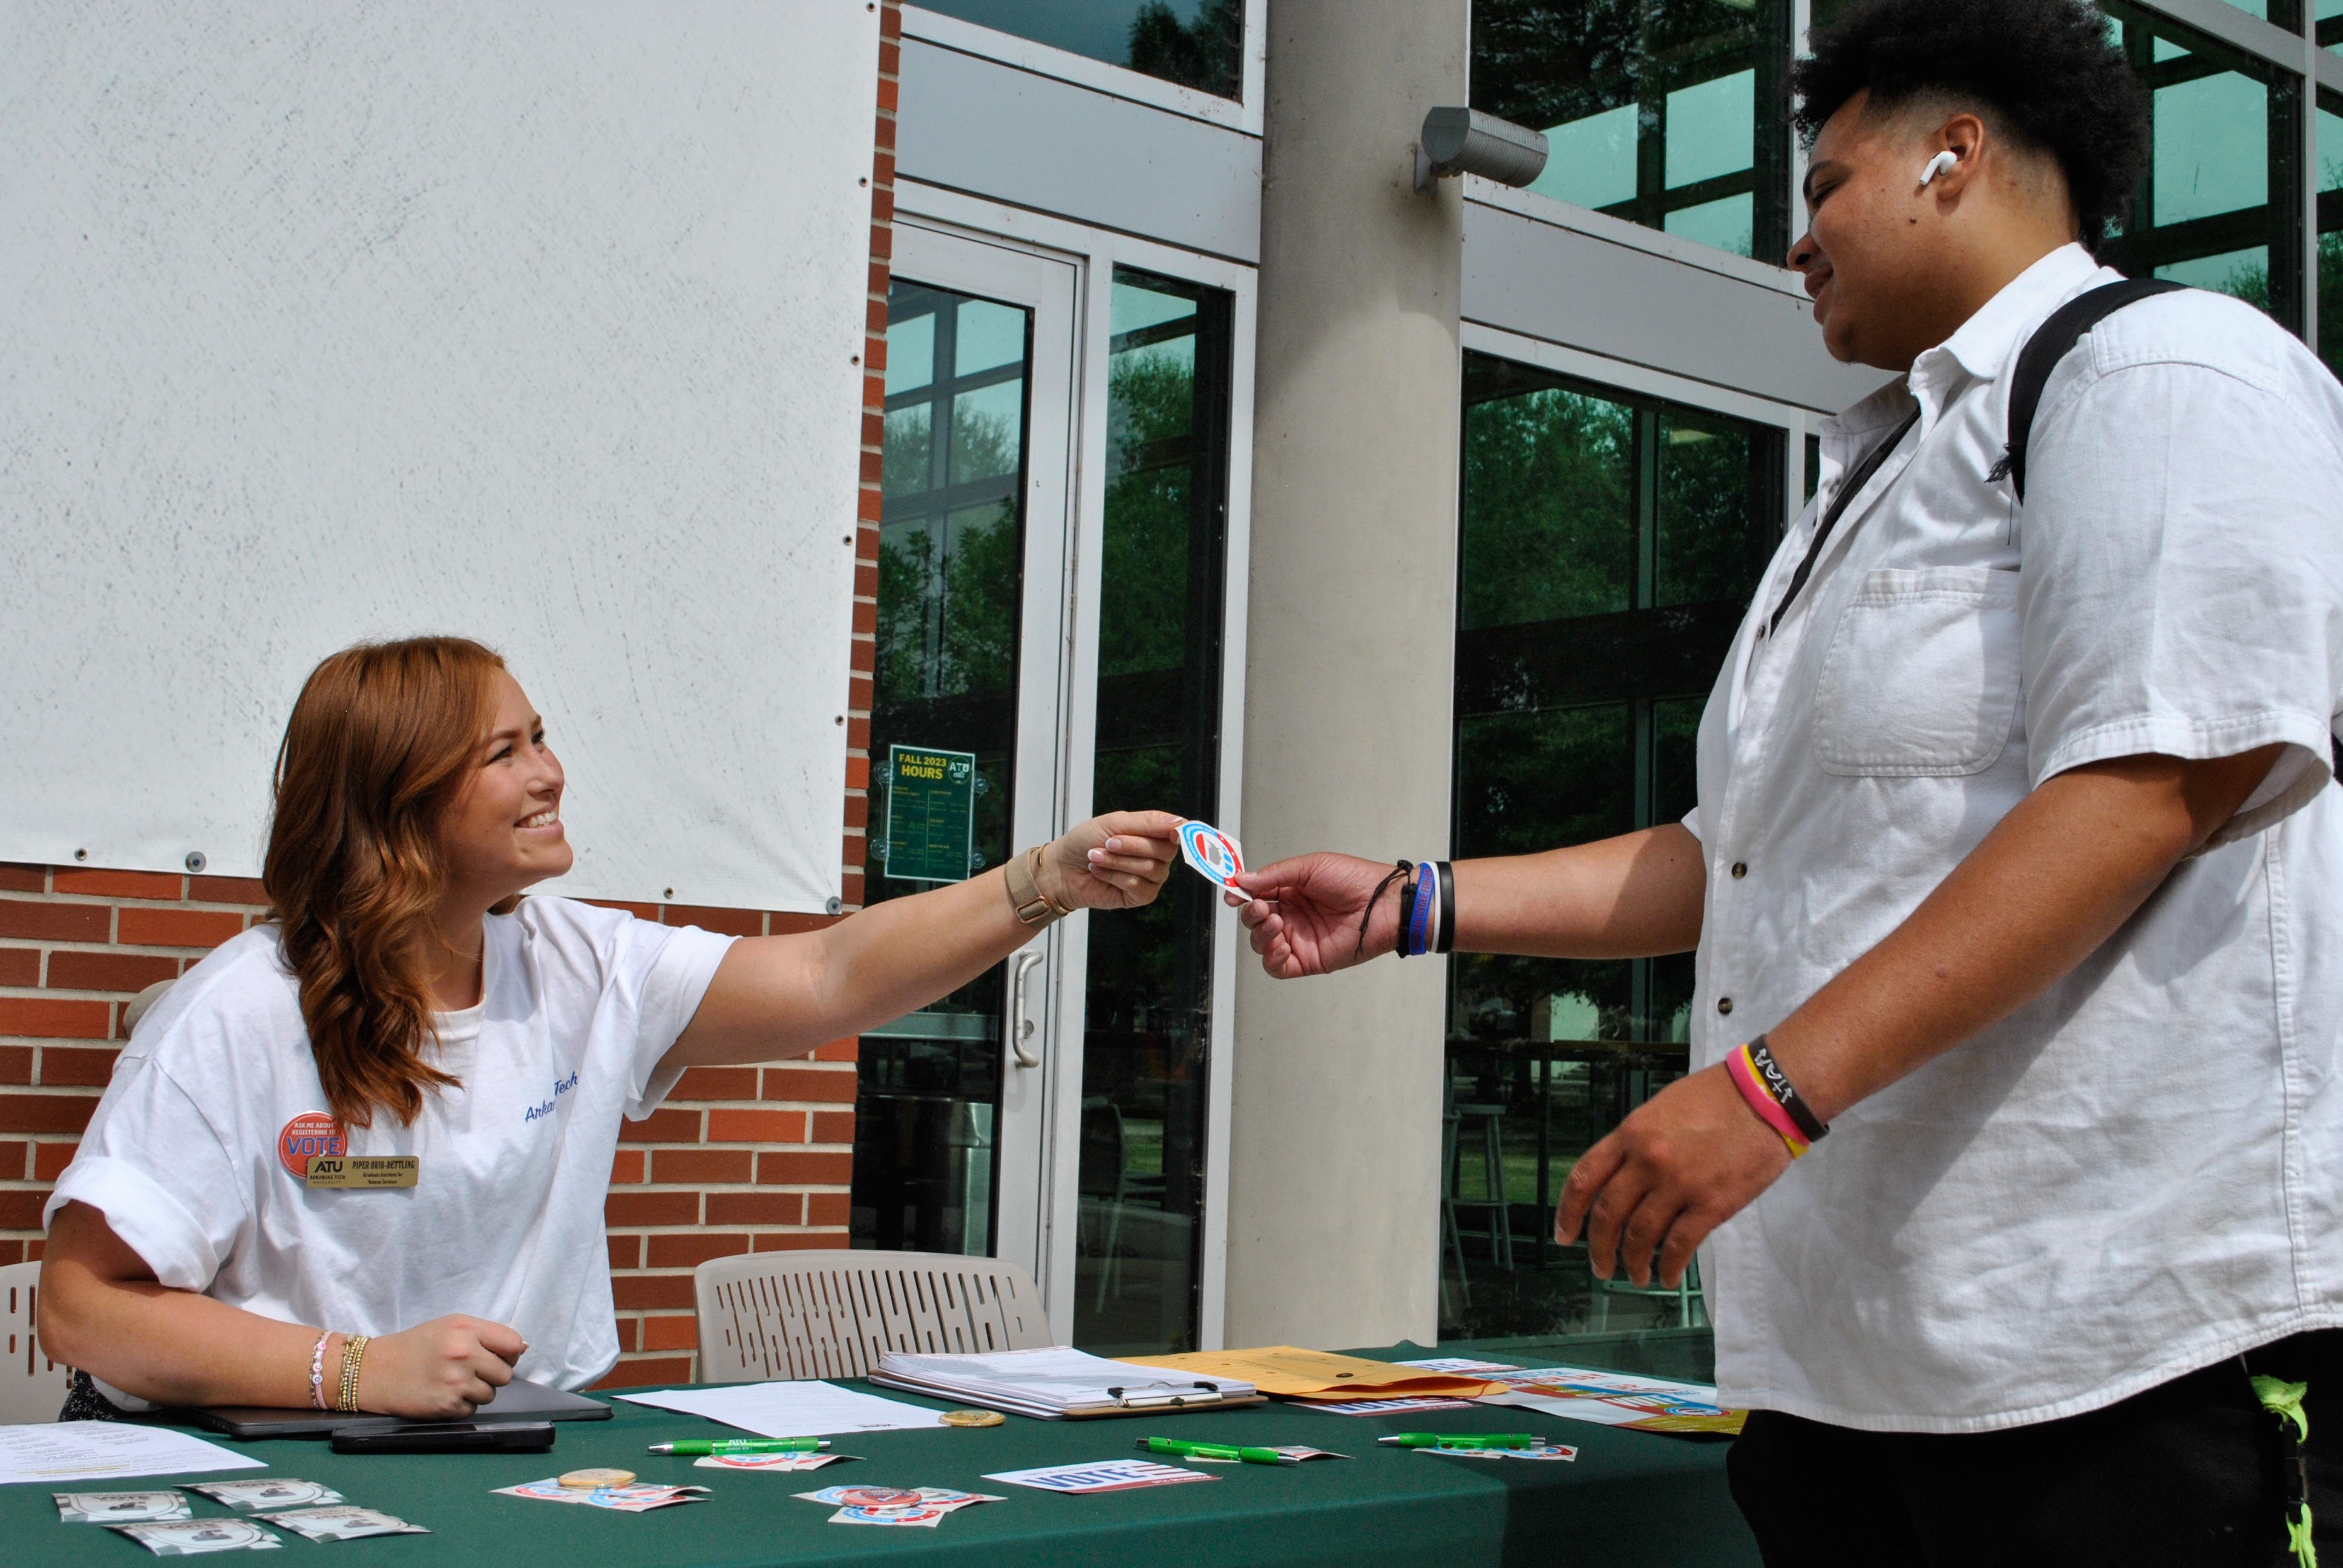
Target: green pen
(1212, 1451)
(701, 1447)
(1461, 1440)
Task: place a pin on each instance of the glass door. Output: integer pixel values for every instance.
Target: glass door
(1147, 1026)
(966, 726)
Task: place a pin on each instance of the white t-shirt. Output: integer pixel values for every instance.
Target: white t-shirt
(2140, 1172)
(215, 1101)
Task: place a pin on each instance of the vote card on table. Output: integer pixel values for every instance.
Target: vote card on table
(1106, 1475)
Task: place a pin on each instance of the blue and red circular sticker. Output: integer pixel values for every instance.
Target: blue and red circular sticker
(307, 1136)
(1213, 855)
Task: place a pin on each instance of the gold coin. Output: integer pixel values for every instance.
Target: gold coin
(591, 1480)
(974, 1418)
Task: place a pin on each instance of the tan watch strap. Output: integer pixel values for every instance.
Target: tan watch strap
(1025, 895)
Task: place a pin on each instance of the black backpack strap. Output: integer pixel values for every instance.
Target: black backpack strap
(1848, 490)
(2049, 344)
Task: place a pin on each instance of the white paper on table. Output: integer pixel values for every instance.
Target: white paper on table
(95, 1449)
(791, 1409)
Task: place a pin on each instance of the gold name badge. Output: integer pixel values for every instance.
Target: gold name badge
(363, 1169)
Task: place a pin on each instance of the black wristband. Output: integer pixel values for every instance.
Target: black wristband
(1367, 914)
(1777, 1084)
(1407, 914)
(1447, 874)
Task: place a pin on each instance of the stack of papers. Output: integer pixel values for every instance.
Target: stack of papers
(1056, 1383)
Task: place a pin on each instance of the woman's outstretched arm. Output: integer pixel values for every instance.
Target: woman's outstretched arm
(775, 997)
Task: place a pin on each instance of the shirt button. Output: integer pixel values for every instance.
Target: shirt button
(1740, 869)
(1725, 1004)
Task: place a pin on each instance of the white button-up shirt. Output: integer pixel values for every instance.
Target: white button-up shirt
(2141, 1172)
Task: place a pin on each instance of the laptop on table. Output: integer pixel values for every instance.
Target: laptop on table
(519, 1400)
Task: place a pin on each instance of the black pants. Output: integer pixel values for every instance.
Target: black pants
(2185, 1475)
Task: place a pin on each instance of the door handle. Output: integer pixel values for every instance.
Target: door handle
(1020, 1027)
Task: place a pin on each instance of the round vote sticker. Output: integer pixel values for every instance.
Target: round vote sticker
(306, 1136)
(1212, 853)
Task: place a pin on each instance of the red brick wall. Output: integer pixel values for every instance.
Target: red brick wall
(874, 439)
(744, 1159)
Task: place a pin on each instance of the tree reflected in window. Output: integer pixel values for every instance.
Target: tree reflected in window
(1198, 44)
(1608, 548)
(1667, 113)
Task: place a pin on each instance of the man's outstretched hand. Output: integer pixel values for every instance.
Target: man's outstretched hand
(1303, 914)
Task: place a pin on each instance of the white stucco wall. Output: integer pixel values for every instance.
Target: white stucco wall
(533, 321)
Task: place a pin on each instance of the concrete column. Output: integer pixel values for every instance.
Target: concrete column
(1333, 1201)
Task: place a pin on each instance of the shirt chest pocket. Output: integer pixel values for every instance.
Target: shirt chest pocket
(1921, 675)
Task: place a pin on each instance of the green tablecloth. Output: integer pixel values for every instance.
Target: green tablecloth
(1629, 1498)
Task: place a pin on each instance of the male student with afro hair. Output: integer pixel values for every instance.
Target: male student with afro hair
(2018, 870)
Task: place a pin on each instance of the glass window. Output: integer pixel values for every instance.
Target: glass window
(2331, 25)
(1608, 548)
(2226, 132)
(1666, 113)
(951, 538)
(2330, 229)
(1148, 1024)
(1198, 44)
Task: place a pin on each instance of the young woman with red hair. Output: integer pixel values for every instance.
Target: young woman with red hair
(402, 1000)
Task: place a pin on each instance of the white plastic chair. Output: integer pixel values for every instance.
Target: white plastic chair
(774, 1315)
(32, 1386)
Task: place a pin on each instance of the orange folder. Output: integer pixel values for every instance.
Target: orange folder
(1296, 1374)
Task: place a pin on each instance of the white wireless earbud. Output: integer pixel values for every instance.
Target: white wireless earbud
(1939, 163)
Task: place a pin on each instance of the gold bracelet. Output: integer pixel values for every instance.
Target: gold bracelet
(353, 1352)
(1033, 907)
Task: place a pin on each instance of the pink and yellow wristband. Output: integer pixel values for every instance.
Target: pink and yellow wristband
(1755, 1084)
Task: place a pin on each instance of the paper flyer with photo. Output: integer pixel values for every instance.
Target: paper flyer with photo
(1616, 1399)
(342, 1524)
(119, 1507)
(192, 1537)
(255, 1497)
